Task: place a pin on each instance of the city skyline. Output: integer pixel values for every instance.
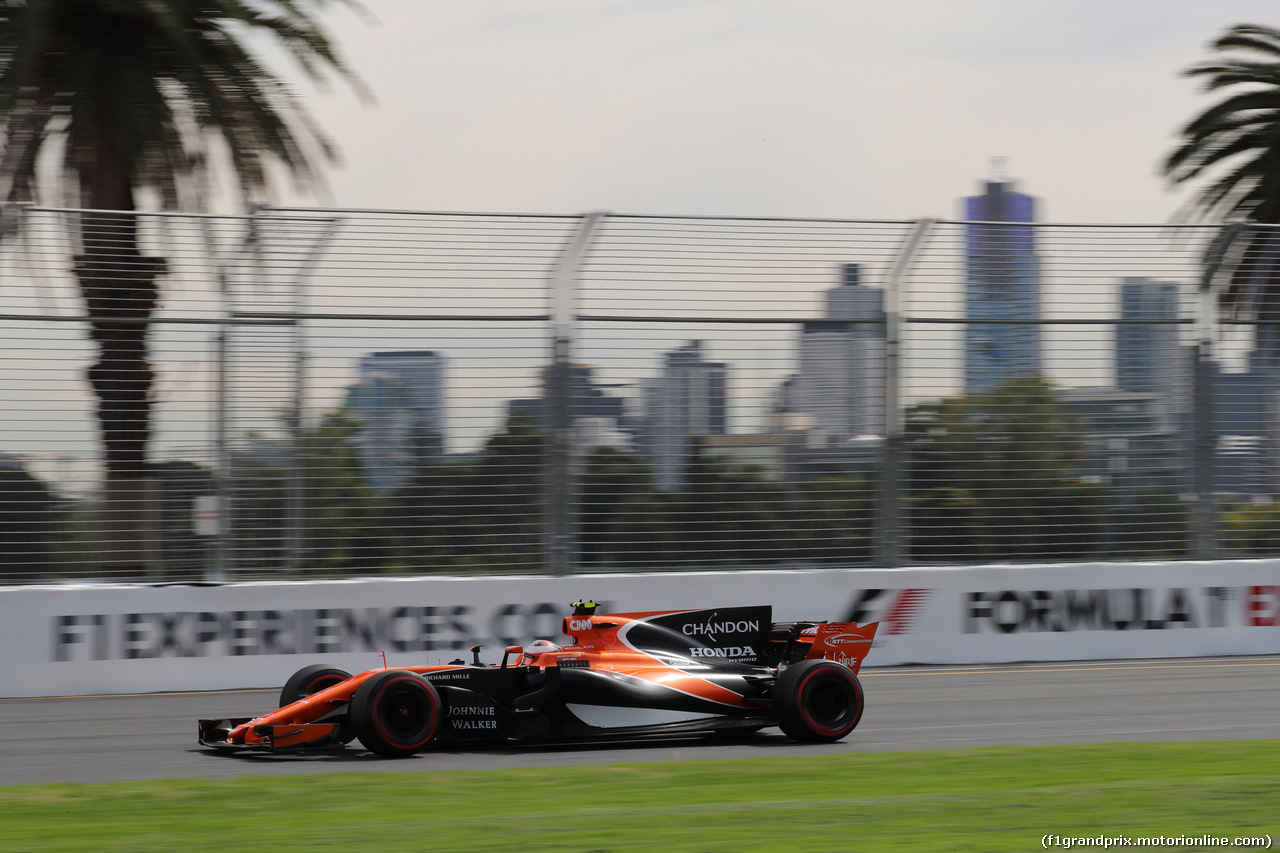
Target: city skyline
(834, 402)
(741, 270)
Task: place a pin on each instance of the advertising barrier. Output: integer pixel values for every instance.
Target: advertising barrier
(93, 639)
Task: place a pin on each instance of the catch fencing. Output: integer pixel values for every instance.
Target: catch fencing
(342, 393)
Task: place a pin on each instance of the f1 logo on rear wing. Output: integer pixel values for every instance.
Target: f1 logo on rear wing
(843, 642)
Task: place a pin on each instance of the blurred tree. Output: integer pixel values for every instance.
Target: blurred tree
(993, 477)
(27, 515)
(727, 513)
(1234, 145)
(483, 514)
(431, 521)
(332, 523)
(257, 517)
(146, 97)
(1253, 530)
(833, 521)
(184, 553)
(1155, 523)
(610, 480)
(507, 493)
(643, 533)
(341, 515)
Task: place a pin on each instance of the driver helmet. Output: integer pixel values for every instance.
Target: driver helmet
(538, 647)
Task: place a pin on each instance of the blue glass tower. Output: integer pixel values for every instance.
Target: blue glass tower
(1002, 288)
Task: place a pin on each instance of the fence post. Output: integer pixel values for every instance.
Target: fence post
(221, 570)
(290, 316)
(889, 488)
(1204, 438)
(559, 504)
(224, 555)
(1203, 534)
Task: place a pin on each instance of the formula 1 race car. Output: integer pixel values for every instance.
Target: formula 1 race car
(624, 674)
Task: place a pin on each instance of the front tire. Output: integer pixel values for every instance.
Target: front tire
(817, 701)
(313, 679)
(310, 679)
(395, 713)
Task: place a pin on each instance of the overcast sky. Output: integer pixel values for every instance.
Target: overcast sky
(824, 108)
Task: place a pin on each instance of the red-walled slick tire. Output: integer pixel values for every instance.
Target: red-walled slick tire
(817, 701)
(395, 713)
(310, 679)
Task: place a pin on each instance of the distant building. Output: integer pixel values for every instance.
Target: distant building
(399, 401)
(1246, 429)
(1002, 288)
(688, 399)
(1129, 445)
(767, 454)
(597, 418)
(1150, 359)
(1146, 348)
(587, 399)
(841, 382)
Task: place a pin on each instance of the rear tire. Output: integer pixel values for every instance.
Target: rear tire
(817, 701)
(310, 679)
(395, 713)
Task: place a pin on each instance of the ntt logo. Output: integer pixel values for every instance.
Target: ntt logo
(846, 640)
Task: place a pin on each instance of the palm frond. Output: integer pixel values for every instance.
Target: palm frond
(1238, 72)
(160, 81)
(1248, 107)
(1234, 147)
(1250, 37)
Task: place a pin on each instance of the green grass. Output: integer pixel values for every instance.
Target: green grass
(982, 799)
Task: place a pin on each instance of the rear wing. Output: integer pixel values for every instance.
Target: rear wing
(842, 642)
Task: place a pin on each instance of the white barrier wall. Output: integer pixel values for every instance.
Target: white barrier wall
(88, 639)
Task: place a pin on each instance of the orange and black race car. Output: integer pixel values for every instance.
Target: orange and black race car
(622, 674)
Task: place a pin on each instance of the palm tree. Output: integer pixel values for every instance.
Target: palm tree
(146, 96)
(1234, 145)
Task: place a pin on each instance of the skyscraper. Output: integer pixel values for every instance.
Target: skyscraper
(687, 400)
(1148, 356)
(1002, 288)
(595, 417)
(399, 400)
(840, 386)
(1151, 360)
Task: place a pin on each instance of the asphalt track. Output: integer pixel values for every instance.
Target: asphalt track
(113, 738)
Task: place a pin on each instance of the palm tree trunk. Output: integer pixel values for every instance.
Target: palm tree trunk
(120, 293)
